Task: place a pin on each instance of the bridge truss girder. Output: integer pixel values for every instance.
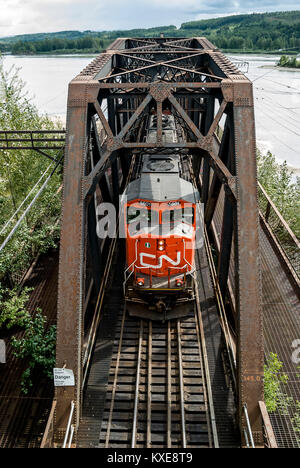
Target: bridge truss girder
(201, 88)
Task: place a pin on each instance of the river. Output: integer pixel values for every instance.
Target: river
(276, 96)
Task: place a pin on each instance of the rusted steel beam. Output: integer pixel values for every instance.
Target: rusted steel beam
(229, 217)
(173, 85)
(216, 183)
(217, 119)
(193, 52)
(250, 351)
(135, 116)
(93, 244)
(187, 119)
(71, 283)
(115, 170)
(208, 119)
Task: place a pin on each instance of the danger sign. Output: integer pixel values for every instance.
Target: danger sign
(63, 377)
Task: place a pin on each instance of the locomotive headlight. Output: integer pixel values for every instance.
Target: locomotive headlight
(140, 281)
(179, 282)
(161, 245)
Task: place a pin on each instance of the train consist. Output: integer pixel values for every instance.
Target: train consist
(160, 225)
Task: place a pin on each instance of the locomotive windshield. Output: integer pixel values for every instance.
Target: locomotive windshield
(142, 219)
(179, 215)
(142, 215)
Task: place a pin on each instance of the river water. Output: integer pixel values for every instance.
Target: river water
(276, 95)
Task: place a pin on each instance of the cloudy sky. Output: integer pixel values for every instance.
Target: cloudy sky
(32, 16)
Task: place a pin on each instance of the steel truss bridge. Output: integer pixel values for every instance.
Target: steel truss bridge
(212, 102)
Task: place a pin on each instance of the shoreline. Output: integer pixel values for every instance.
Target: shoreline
(88, 53)
(277, 67)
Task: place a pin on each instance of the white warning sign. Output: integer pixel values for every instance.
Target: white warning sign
(63, 377)
(2, 352)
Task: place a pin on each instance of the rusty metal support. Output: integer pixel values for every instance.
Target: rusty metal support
(208, 120)
(225, 247)
(71, 263)
(250, 356)
(216, 183)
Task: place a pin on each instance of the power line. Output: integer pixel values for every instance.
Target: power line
(286, 86)
(281, 124)
(288, 109)
(261, 76)
(279, 105)
(12, 232)
(31, 191)
(282, 142)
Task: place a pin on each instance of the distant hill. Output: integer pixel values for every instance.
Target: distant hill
(79, 34)
(257, 32)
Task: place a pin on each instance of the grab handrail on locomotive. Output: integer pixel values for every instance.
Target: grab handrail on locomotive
(160, 209)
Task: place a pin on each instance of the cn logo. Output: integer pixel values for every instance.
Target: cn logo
(160, 260)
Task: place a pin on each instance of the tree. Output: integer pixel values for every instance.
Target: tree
(38, 346)
(20, 170)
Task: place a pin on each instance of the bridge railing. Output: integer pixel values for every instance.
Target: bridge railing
(278, 228)
(47, 441)
(269, 437)
(32, 139)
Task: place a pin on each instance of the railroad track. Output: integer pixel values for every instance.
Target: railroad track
(157, 388)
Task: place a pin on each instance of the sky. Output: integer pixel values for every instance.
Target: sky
(33, 16)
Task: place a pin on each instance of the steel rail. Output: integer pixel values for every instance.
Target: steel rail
(207, 373)
(137, 385)
(145, 426)
(115, 381)
(181, 385)
(169, 388)
(149, 385)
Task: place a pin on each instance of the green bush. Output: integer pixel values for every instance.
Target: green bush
(290, 62)
(273, 379)
(38, 347)
(13, 308)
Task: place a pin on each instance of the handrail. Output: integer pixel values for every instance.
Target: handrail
(280, 231)
(47, 438)
(248, 433)
(270, 440)
(279, 215)
(70, 428)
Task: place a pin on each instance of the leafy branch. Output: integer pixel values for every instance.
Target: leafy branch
(38, 347)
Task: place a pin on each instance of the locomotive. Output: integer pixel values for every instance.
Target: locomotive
(160, 225)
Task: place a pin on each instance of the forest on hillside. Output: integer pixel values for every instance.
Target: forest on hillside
(257, 32)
